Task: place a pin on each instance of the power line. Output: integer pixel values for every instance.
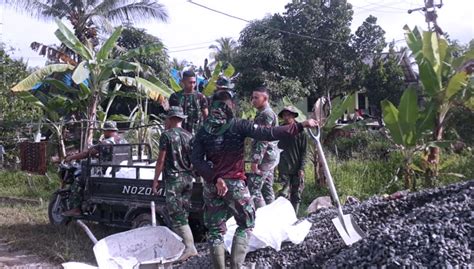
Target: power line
(386, 5)
(190, 49)
(195, 44)
(268, 27)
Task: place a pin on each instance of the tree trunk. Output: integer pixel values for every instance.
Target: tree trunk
(431, 172)
(91, 120)
(62, 146)
(319, 176)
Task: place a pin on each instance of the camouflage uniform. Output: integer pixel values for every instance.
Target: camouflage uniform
(177, 174)
(265, 154)
(192, 105)
(77, 187)
(217, 208)
(219, 153)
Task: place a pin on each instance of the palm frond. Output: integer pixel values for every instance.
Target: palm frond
(137, 12)
(37, 9)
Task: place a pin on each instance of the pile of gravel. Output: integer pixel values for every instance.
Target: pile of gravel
(430, 228)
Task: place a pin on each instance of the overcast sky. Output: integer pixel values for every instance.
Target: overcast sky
(192, 29)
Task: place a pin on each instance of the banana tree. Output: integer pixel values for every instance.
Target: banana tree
(327, 112)
(446, 79)
(406, 125)
(94, 74)
(218, 70)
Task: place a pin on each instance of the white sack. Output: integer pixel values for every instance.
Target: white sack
(273, 225)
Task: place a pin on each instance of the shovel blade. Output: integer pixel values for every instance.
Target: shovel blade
(353, 232)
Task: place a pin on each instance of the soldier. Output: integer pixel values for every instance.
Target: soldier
(292, 160)
(193, 103)
(174, 161)
(218, 155)
(111, 137)
(264, 155)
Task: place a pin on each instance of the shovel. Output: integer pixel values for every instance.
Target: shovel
(349, 231)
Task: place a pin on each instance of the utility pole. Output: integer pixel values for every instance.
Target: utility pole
(430, 15)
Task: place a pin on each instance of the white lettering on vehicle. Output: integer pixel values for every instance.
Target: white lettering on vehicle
(127, 189)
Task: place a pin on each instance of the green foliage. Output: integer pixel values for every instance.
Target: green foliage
(20, 184)
(321, 66)
(228, 70)
(460, 125)
(89, 17)
(321, 57)
(98, 73)
(14, 111)
(224, 51)
(156, 57)
(339, 106)
(369, 38)
(261, 60)
(362, 144)
(384, 79)
(406, 123)
(39, 75)
(363, 178)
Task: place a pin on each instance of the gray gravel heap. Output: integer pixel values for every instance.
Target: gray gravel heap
(429, 228)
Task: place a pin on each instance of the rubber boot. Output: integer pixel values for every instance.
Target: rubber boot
(296, 206)
(259, 202)
(238, 252)
(218, 256)
(188, 240)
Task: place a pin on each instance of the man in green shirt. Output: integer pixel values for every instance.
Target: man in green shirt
(292, 160)
(264, 154)
(193, 103)
(174, 161)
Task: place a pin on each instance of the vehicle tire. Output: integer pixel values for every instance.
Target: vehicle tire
(55, 209)
(143, 220)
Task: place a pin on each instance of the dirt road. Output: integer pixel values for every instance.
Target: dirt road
(20, 259)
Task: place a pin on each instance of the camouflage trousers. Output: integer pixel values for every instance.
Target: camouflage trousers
(293, 186)
(237, 202)
(178, 190)
(75, 198)
(261, 188)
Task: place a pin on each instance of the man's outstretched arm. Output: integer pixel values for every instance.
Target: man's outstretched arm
(199, 163)
(273, 133)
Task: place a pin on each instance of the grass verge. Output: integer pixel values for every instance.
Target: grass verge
(27, 227)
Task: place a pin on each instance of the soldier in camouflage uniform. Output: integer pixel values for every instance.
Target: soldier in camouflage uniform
(292, 160)
(111, 137)
(264, 155)
(174, 161)
(218, 155)
(193, 103)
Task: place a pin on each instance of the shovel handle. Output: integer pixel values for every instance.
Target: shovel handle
(313, 135)
(153, 213)
(87, 230)
(327, 173)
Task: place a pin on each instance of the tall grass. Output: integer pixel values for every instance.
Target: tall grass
(365, 178)
(21, 184)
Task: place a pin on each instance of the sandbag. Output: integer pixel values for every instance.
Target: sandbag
(274, 224)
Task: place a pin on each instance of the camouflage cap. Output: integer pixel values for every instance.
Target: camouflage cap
(176, 111)
(110, 126)
(290, 109)
(224, 82)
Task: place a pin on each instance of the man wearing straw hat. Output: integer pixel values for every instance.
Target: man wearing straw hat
(174, 161)
(292, 160)
(111, 137)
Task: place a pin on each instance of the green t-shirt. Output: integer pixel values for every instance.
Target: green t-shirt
(177, 144)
